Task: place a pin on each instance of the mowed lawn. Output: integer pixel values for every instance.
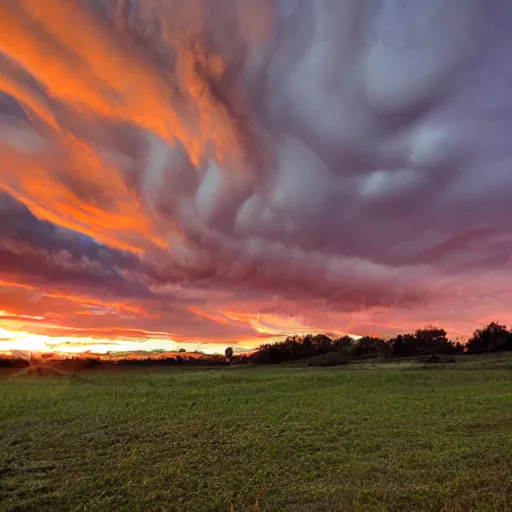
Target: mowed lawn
(359, 437)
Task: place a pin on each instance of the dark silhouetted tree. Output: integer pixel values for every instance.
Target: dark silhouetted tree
(433, 340)
(369, 346)
(403, 345)
(343, 344)
(229, 354)
(322, 344)
(493, 338)
(293, 348)
(427, 341)
(458, 347)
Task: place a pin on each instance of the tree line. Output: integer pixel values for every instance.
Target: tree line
(79, 362)
(430, 341)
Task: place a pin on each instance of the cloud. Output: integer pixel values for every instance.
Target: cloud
(32, 247)
(340, 164)
(61, 281)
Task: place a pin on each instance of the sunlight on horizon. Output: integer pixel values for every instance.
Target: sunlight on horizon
(25, 341)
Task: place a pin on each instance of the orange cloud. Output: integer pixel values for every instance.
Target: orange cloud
(215, 317)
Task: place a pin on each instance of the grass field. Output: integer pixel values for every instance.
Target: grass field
(359, 437)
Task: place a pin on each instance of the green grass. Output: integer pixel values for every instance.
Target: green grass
(390, 436)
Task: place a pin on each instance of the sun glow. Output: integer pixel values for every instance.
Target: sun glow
(25, 341)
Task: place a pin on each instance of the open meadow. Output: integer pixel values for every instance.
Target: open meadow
(366, 436)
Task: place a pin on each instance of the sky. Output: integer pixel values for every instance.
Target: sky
(198, 174)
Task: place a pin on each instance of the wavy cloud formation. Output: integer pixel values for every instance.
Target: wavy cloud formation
(233, 170)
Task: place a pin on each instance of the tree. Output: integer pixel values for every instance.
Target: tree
(322, 344)
(229, 354)
(403, 345)
(369, 345)
(492, 338)
(343, 344)
(433, 340)
(430, 340)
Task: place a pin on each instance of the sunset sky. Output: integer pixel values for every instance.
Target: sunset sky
(199, 173)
